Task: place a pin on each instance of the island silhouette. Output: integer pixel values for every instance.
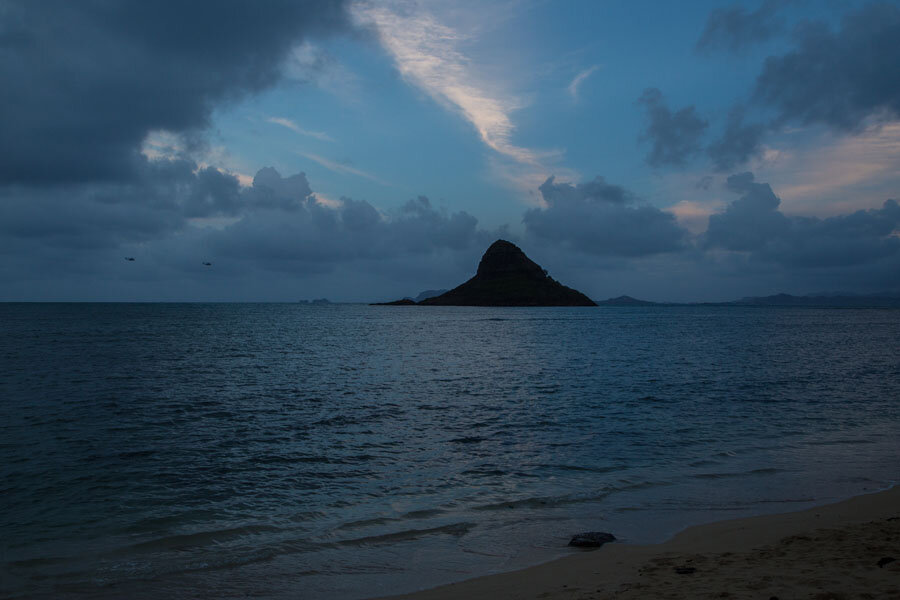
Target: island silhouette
(505, 277)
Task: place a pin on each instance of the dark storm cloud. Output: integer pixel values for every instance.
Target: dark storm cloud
(156, 202)
(600, 218)
(175, 216)
(275, 218)
(734, 28)
(739, 142)
(674, 137)
(755, 225)
(838, 78)
(84, 82)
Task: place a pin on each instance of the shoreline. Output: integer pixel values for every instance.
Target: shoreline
(832, 550)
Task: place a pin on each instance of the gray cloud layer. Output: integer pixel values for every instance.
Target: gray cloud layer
(266, 240)
(86, 81)
(263, 240)
(601, 219)
(755, 225)
(291, 230)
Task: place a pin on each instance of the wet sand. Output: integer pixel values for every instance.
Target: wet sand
(825, 553)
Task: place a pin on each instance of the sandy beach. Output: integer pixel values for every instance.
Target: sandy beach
(834, 552)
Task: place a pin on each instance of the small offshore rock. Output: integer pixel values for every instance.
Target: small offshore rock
(886, 560)
(591, 539)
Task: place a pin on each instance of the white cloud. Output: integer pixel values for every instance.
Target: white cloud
(319, 135)
(167, 145)
(161, 144)
(694, 216)
(579, 79)
(327, 200)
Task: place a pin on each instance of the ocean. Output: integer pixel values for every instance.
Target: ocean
(352, 451)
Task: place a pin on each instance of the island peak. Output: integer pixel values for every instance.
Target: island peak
(507, 277)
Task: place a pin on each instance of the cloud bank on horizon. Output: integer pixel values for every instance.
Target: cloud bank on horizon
(367, 150)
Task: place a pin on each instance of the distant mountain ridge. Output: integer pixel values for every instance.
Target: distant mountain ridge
(625, 301)
(830, 301)
(823, 301)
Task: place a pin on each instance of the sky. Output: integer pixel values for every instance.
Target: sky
(366, 150)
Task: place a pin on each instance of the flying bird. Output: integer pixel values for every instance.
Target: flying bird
(129, 258)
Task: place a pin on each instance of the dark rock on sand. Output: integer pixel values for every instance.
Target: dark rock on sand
(591, 539)
(506, 277)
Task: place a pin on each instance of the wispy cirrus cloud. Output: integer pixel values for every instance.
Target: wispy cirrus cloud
(319, 135)
(579, 79)
(427, 53)
(338, 167)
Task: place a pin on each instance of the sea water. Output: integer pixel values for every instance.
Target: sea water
(350, 451)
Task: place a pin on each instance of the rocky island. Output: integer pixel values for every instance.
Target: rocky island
(506, 277)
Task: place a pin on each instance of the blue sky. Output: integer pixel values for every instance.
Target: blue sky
(473, 106)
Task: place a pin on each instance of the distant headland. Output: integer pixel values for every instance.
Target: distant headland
(779, 300)
(505, 277)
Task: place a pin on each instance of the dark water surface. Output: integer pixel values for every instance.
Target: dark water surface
(348, 451)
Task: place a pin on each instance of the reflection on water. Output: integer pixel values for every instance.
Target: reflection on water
(351, 451)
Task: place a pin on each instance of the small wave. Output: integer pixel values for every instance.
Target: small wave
(485, 472)
(454, 529)
(219, 414)
(197, 540)
(39, 562)
(608, 469)
(367, 523)
(167, 521)
(338, 421)
(540, 502)
(376, 521)
(703, 463)
(754, 472)
(135, 454)
(840, 442)
(423, 514)
(471, 439)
